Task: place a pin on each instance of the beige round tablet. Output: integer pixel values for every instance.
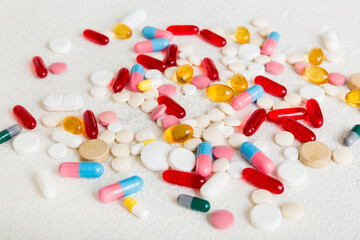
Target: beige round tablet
(94, 150)
(284, 138)
(136, 99)
(149, 105)
(50, 120)
(220, 165)
(343, 156)
(120, 97)
(315, 154)
(192, 143)
(121, 164)
(143, 135)
(151, 94)
(292, 211)
(261, 196)
(203, 121)
(120, 150)
(265, 102)
(237, 139)
(215, 115)
(107, 136)
(354, 81)
(263, 59)
(281, 105)
(293, 99)
(124, 136)
(330, 89)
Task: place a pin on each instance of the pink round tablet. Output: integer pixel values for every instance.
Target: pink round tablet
(336, 79)
(222, 219)
(301, 66)
(167, 89)
(58, 68)
(169, 121)
(274, 68)
(107, 117)
(201, 81)
(223, 151)
(158, 112)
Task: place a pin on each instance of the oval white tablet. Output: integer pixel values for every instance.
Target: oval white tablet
(237, 139)
(291, 173)
(144, 135)
(235, 169)
(203, 121)
(155, 155)
(284, 138)
(26, 143)
(248, 51)
(229, 51)
(220, 165)
(191, 122)
(265, 217)
(46, 184)
(60, 45)
(135, 149)
(63, 102)
(192, 143)
(330, 90)
(265, 102)
(102, 78)
(215, 115)
(233, 122)
(69, 139)
(261, 196)
(227, 60)
(182, 159)
(236, 67)
(98, 91)
(114, 127)
(312, 91)
(189, 89)
(120, 97)
(291, 153)
(227, 108)
(194, 60)
(57, 151)
(227, 131)
(153, 74)
(256, 69)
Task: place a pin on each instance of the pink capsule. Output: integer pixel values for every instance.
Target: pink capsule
(153, 45)
(203, 165)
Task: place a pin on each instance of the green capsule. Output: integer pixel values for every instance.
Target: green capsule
(194, 203)
(9, 133)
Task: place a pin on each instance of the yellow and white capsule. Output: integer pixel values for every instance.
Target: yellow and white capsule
(149, 84)
(136, 208)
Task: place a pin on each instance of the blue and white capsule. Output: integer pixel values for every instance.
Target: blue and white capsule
(153, 45)
(81, 169)
(151, 33)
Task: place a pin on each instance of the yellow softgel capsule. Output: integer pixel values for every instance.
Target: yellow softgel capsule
(238, 82)
(178, 133)
(353, 98)
(220, 93)
(73, 124)
(316, 56)
(122, 31)
(317, 75)
(184, 74)
(242, 35)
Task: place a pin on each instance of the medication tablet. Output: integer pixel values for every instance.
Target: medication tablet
(292, 174)
(233, 122)
(343, 156)
(278, 57)
(60, 45)
(144, 135)
(170, 72)
(312, 91)
(107, 117)
(281, 104)
(114, 127)
(191, 122)
(284, 138)
(124, 136)
(63, 102)
(194, 60)
(220, 165)
(228, 60)
(215, 115)
(201, 81)
(293, 99)
(227, 131)
(265, 102)
(151, 94)
(153, 74)
(182, 159)
(257, 40)
(189, 89)
(332, 57)
(229, 51)
(183, 55)
(160, 119)
(315, 154)
(330, 90)
(58, 68)
(182, 61)
(136, 99)
(219, 125)
(167, 89)
(155, 155)
(248, 51)
(107, 136)
(158, 112)
(259, 22)
(46, 184)
(214, 185)
(291, 154)
(354, 81)
(300, 67)
(185, 47)
(292, 211)
(237, 139)
(50, 120)
(261, 196)
(236, 67)
(26, 143)
(225, 75)
(256, 69)
(102, 78)
(264, 32)
(222, 219)
(69, 139)
(265, 217)
(192, 143)
(120, 150)
(57, 151)
(274, 68)
(121, 164)
(94, 150)
(98, 91)
(212, 135)
(203, 121)
(169, 121)
(337, 79)
(263, 59)
(235, 169)
(223, 152)
(120, 97)
(294, 58)
(261, 144)
(227, 108)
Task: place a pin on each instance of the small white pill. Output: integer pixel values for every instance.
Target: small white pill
(192, 143)
(232, 121)
(98, 91)
(114, 127)
(259, 22)
(225, 75)
(291, 153)
(60, 45)
(102, 78)
(183, 55)
(182, 159)
(230, 51)
(248, 51)
(215, 115)
(191, 122)
(332, 57)
(261, 144)
(256, 69)
(151, 94)
(181, 62)
(312, 91)
(214, 185)
(227, 131)
(236, 67)
(284, 138)
(330, 90)
(50, 120)
(291, 173)
(237, 139)
(220, 165)
(198, 132)
(149, 105)
(186, 47)
(135, 149)
(292, 211)
(46, 184)
(278, 57)
(189, 89)
(235, 169)
(57, 151)
(120, 97)
(331, 41)
(203, 121)
(256, 40)
(265, 102)
(219, 125)
(124, 136)
(265, 217)
(170, 73)
(70, 140)
(261, 196)
(247, 74)
(212, 135)
(343, 156)
(293, 99)
(121, 164)
(107, 136)
(227, 108)
(262, 59)
(136, 99)
(120, 150)
(144, 135)
(63, 102)
(281, 104)
(294, 58)
(154, 156)
(153, 74)
(228, 60)
(264, 32)
(194, 60)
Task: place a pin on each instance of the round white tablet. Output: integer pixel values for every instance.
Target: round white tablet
(155, 155)
(170, 72)
(227, 60)
(50, 120)
(215, 115)
(219, 125)
(120, 97)
(191, 122)
(248, 51)
(256, 69)
(182, 159)
(225, 75)
(227, 131)
(312, 91)
(237, 139)
(203, 121)
(265, 102)
(189, 89)
(220, 165)
(57, 151)
(114, 127)
(343, 156)
(102, 78)
(98, 91)
(284, 138)
(281, 104)
(261, 144)
(291, 153)
(291, 173)
(292, 211)
(151, 94)
(26, 143)
(212, 135)
(235, 169)
(144, 134)
(192, 143)
(236, 67)
(233, 122)
(121, 164)
(263, 59)
(160, 120)
(330, 90)
(60, 45)
(136, 99)
(259, 22)
(265, 217)
(261, 196)
(153, 74)
(120, 150)
(293, 99)
(229, 51)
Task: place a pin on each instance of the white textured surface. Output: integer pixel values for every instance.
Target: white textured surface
(330, 195)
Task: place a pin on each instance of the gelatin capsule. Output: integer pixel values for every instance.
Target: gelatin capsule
(212, 38)
(214, 185)
(153, 45)
(151, 63)
(254, 122)
(185, 179)
(299, 131)
(136, 208)
(257, 158)
(263, 181)
(184, 74)
(353, 136)
(121, 79)
(172, 107)
(314, 113)
(316, 56)
(270, 44)
(249, 96)
(73, 124)
(270, 86)
(122, 31)
(279, 114)
(178, 133)
(136, 76)
(171, 55)
(9, 133)
(120, 189)
(204, 159)
(220, 93)
(40, 67)
(81, 169)
(242, 34)
(353, 98)
(95, 37)
(317, 75)
(91, 127)
(194, 203)
(238, 82)
(183, 29)
(149, 84)
(24, 117)
(211, 69)
(151, 33)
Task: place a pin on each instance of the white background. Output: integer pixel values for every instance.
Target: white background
(330, 195)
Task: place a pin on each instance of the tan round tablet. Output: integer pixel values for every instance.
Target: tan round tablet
(121, 164)
(261, 196)
(292, 211)
(120, 150)
(315, 154)
(343, 156)
(107, 136)
(94, 150)
(354, 81)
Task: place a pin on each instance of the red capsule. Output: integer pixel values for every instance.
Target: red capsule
(151, 63)
(40, 67)
(24, 117)
(171, 55)
(120, 80)
(254, 122)
(172, 107)
(314, 113)
(183, 29)
(279, 114)
(212, 38)
(95, 37)
(211, 69)
(91, 127)
(270, 86)
(263, 181)
(185, 179)
(299, 131)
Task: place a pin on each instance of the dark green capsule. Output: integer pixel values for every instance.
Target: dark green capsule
(9, 133)
(194, 203)
(353, 136)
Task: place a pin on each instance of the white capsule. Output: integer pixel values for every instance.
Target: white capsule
(63, 102)
(46, 184)
(214, 185)
(133, 19)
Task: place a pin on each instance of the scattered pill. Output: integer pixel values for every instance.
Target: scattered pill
(236, 67)
(271, 42)
(291, 173)
(315, 154)
(265, 102)
(136, 99)
(182, 159)
(120, 150)
(169, 121)
(57, 151)
(58, 68)
(10, 132)
(194, 203)
(192, 143)
(312, 91)
(120, 97)
(248, 51)
(107, 136)
(194, 60)
(24, 117)
(121, 164)
(337, 79)
(60, 45)
(274, 68)
(265, 217)
(185, 179)
(292, 211)
(237, 139)
(63, 102)
(316, 75)
(136, 208)
(220, 165)
(46, 184)
(70, 140)
(229, 51)
(284, 138)
(189, 89)
(222, 219)
(40, 68)
(81, 170)
(262, 59)
(50, 120)
(94, 150)
(254, 122)
(293, 99)
(343, 156)
(257, 158)
(98, 91)
(353, 136)
(247, 97)
(154, 156)
(259, 22)
(331, 40)
(235, 169)
(291, 153)
(261, 196)
(26, 143)
(214, 185)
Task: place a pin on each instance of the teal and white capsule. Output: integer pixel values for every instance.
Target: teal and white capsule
(81, 169)
(151, 33)
(153, 45)
(353, 136)
(194, 203)
(9, 133)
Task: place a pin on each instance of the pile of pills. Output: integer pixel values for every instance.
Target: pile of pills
(213, 135)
